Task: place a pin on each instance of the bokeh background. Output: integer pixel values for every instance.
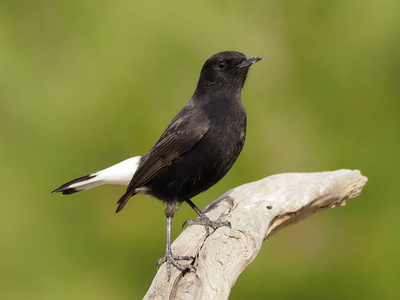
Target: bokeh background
(86, 84)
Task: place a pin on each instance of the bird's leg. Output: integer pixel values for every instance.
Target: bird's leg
(204, 220)
(170, 258)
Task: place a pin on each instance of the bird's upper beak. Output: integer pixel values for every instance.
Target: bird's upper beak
(249, 61)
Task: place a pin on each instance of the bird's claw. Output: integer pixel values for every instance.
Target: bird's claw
(170, 258)
(207, 223)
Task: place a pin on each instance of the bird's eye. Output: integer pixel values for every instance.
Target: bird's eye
(221, 64)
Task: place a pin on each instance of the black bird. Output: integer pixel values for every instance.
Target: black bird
(196, 150)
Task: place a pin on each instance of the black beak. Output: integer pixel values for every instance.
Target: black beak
(249, 61)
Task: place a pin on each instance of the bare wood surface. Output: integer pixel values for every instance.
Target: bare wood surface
(256, 211)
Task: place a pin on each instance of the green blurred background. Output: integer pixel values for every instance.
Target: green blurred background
(86, 84)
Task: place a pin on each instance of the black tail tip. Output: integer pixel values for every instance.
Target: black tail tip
(65, 191)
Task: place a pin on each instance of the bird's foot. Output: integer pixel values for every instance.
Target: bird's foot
(207, 223)
(170, 258)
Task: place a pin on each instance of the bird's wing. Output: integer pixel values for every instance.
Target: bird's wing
(172, 144)
(163, 153)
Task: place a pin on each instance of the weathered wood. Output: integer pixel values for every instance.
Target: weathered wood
(256, 211)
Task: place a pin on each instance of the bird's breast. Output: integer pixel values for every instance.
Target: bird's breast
(209, 160)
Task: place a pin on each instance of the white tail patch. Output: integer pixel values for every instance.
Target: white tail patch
(120, 173)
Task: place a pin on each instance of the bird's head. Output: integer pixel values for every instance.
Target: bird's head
(225, 71)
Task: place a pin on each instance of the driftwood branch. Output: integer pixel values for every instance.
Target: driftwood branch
(256, 211)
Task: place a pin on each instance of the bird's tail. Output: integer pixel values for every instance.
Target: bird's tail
(79, 184)
(120, 173)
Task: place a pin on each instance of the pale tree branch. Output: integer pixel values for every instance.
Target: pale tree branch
(256, 211)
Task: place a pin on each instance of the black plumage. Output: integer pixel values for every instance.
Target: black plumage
(197, 148)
